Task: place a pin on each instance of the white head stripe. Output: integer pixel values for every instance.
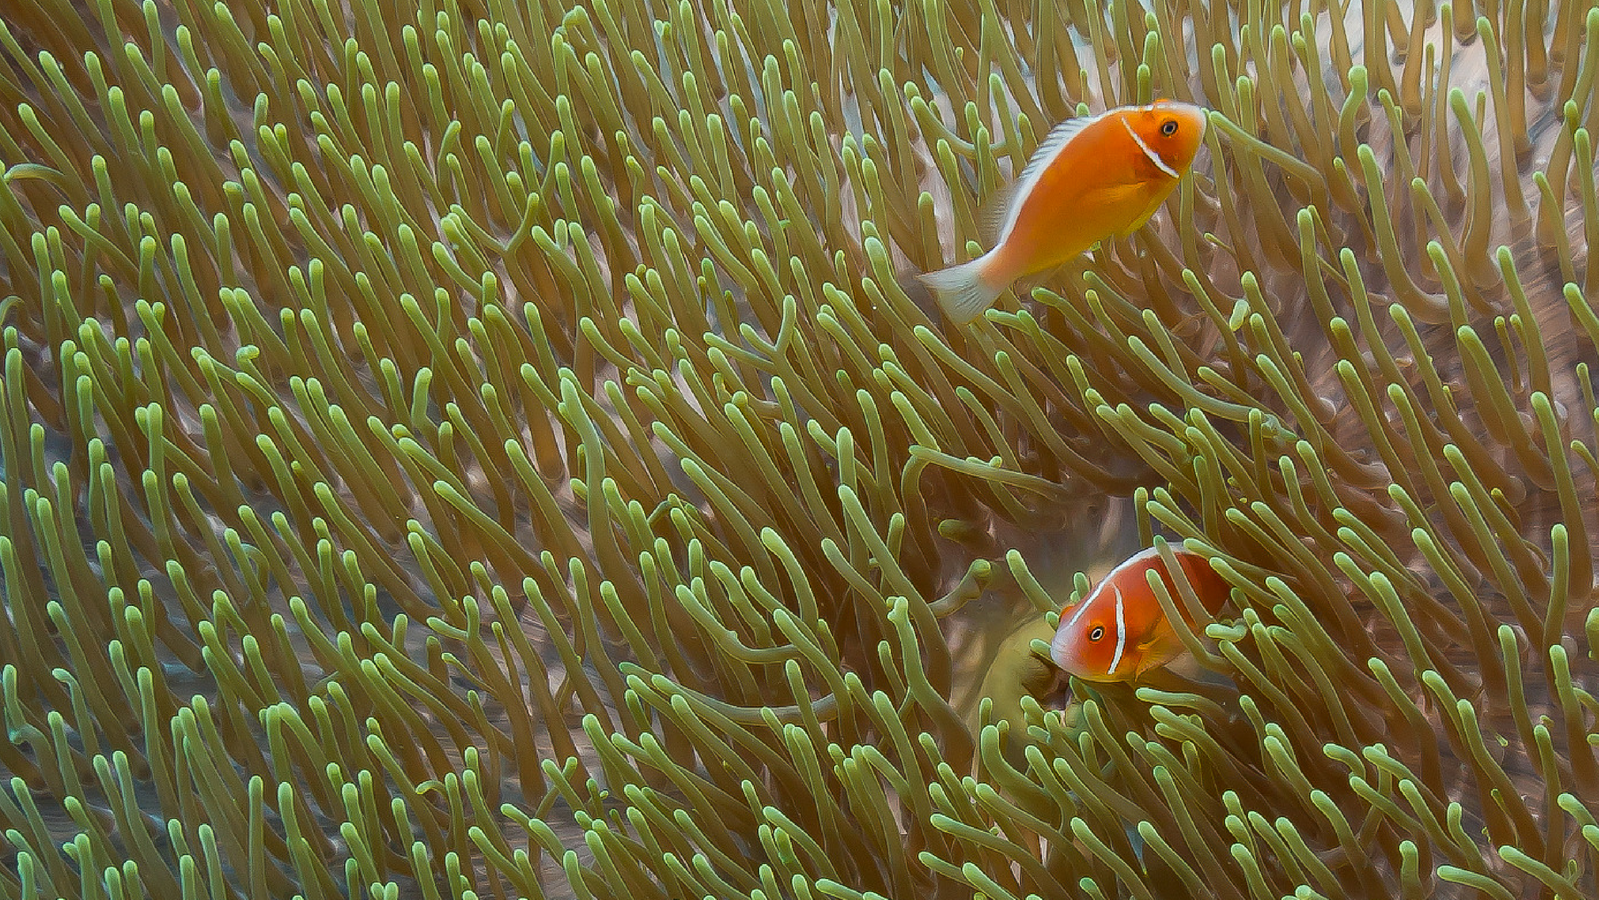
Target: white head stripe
(1121, 633)
(1153, 156)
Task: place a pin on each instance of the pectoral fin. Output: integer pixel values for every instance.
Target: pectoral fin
(1158, 651)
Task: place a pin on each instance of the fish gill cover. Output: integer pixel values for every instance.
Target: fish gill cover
(487, 449)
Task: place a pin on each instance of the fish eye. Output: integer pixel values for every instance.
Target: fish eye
(1168, 127)
(1097, 633)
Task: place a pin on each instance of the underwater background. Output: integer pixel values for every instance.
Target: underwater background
(489, 449)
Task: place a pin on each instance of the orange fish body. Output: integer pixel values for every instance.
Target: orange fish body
(1119, 631)
(1091, 178)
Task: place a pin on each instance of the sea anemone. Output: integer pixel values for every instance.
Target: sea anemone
(491, 449)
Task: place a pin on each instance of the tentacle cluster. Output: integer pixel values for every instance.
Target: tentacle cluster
(493, 449)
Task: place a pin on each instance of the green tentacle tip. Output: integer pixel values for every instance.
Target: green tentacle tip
(960, 530)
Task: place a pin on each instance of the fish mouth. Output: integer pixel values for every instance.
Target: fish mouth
(1057, 651)
(1068, 657)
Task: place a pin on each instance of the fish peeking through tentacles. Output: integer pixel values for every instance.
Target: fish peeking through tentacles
(1119, 632)
(1092, 178)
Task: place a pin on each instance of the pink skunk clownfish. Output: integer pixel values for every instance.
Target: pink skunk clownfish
(1119, 631)
(1093, 177)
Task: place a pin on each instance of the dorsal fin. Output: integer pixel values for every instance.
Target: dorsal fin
(1004, 212)
(991, 215)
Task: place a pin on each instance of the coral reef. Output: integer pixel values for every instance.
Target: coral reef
(493, 449)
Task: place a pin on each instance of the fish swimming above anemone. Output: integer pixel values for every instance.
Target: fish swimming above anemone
(1119, 632)
(1092, 178)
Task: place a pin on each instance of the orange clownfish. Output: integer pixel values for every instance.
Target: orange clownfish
(1119, 631)
(1093, 177)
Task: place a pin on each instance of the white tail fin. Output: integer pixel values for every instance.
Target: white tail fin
(962, 291)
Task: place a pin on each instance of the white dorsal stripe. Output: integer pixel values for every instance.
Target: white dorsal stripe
(1110, 580)
(1153, 156)
(1048, 149)
(1078, 612)
(1121, 632)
